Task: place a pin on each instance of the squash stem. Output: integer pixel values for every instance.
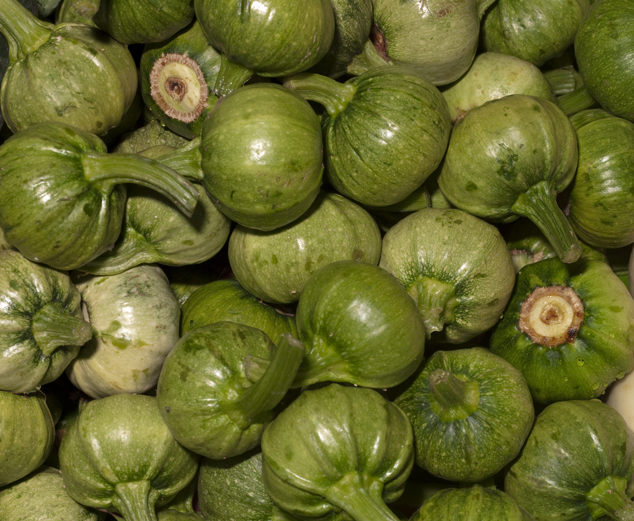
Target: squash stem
(333, 95)
(22, 30)
(185, 160)
(562, 80)
(436, 301)
(53, 327)
(576, 101)
(269, 390)
(539, 204)
(108, 170)
(230, 76)
(136, 500)
(609, 499)
(367, 60)
(125, 254)
(353, 497)
(453, 398)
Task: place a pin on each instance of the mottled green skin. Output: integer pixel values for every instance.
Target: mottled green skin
(602, 350)
(262, 156)
(534, 31)
(205, 368)
(77, 12)
(227, 300)
(601, 203)
(603, 52)
(26, 434)
(388, 139)
(358, 325)
(493, 75)
(143, 21)
(474, 446)
(26, 288)
(334, 446)
(502, 148)
(41, 497)
(119, 455)
(155, 231)
(457, 249)
(274, 266)
(474, 503)
(572, 447)
(192, 43)
(438, 38)
(271, 37)
(148, 136)
(80, 77)
(135, 316)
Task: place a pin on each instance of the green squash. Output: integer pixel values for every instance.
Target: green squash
(119, 455)
(471, 412)
(273, 38)
(569, 328)
(533, 30)
(455, 266)
(226, 299)
(527, 244)
(601, 205)
(385, 131)
(70, 73)
(151, 135)
(511, 157)
(135, 317)
(358, 325)
(77, 12)
(262, 156)
(577, 464)
(184, 280)
(42, 324)
(603, 52)
(475, 503)
(26, 434)
(62, 196)
(41, 497)
(208, 398)
(338, 449)
(274, 266)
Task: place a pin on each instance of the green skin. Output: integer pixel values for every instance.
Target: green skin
(589, 451)
(63, 195)
(28, 434)
(227, 300)
(136, 320)
(338, 449)
(601, 205)
(455, 266)
(494, 75)
(41, 497)
(471, 412)
(439, 39)
(193, 44)
(275, 266)
(184, 280)
(120, 456)
(206, 395)
(149, 136)
(143, 21)
(527, 244)
(69, 73)
(511, 157)
(600, 352)
(603, 52)
(359, 326)
(42, 323)
(536, 31)
(376, 151)
(77, 12)
(474, 503)
(262, 156)
(272, 38)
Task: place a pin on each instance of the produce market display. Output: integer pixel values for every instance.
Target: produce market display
(317, 260)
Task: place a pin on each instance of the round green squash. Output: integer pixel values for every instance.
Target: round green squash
(274, 266)
(471, 412)
(262, 156)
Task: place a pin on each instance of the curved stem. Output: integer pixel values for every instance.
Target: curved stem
(355, 499)
(108, 170)
(269, 390)
(333, 95)
(23, 31)
(136, 500)
(185, 160)
(576, 101)
(368, 59)
(539, 204)
(608, 498)
(230, 76)
(53, 327)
